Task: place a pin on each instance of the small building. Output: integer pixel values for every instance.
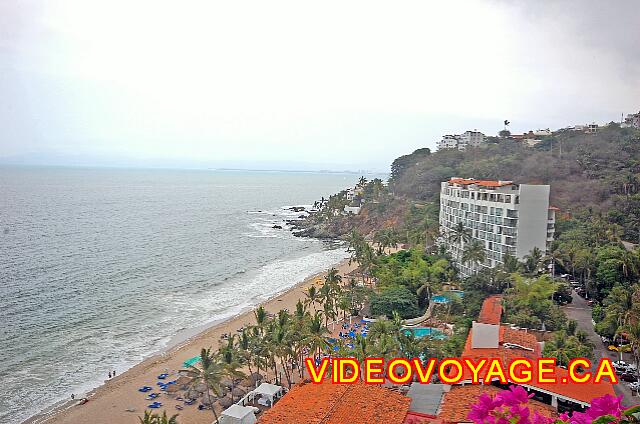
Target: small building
(355, 210)
(462, 141)
(237, 414)
(266, 394)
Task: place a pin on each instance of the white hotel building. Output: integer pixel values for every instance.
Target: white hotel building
(507, 218)
(461, 141)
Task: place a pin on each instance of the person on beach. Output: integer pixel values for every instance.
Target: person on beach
(109, 374)
(114, 373)
(73, 396)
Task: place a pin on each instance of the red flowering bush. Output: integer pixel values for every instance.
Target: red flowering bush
(511, 407)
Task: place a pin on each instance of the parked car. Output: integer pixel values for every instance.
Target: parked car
(629, 377)
(613, 348)
(635, 386)
(620, 364)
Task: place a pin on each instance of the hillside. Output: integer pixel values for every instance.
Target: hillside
(588, 173)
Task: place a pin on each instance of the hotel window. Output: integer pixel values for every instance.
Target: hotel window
(507, 198)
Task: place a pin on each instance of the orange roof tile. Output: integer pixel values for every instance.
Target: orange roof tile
(491, 311)
(553, 208)
(484, 183)
(457, 403)
(579, 392)
(328, 403)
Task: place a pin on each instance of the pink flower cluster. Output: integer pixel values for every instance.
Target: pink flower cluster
(511, 407)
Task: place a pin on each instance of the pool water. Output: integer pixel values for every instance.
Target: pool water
(440, 299)
(421, 332)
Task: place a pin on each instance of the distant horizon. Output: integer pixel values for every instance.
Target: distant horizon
(363, 172)
(298, 85)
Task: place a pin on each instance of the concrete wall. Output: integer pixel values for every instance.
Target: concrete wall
(532, 219)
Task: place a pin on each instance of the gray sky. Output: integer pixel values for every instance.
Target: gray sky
(330, 84)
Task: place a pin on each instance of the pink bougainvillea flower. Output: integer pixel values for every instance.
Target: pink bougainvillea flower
(516, 395)
(480, 411)
(580, 418)
(540, 419)
(605, 405)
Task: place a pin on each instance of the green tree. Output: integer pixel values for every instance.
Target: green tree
(474, 254)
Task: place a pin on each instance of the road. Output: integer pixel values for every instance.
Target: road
(581, 312)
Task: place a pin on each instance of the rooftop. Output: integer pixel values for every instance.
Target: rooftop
(525, 344)
(457, 403)
(481, 183)
(491, 311)
(328, 403)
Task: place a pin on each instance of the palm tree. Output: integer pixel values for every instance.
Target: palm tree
(261, 317)
(356, 244)
(211, 373)
(150, 418)
(557, 348)
(459, 235)
(229, 355)
(333, 277)
(312, 296)
(316, 335)
(510, 264)
(244, 344)
(367, 261)
(474, 254)
(532, 260)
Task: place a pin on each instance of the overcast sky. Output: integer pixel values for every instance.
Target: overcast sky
(299, 83)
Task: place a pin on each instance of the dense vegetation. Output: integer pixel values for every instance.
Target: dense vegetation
(595, 181)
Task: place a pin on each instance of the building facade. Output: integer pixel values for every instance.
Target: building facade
(506, 218)
(461, 141)
(632, 121)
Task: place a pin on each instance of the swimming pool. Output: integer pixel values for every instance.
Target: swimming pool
(421, 332)
(440, 299)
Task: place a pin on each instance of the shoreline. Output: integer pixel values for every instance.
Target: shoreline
(118, 399)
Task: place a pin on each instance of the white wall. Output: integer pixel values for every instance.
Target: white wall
(532, 219)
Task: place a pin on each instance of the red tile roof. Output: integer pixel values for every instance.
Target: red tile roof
(457, 403)
(328, 403)
(491, 311)
(490, 314)
(553, 208)
(483, 183)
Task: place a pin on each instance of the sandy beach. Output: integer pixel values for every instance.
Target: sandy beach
(118, 399)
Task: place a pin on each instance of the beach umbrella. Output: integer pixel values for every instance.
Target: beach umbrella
(247, 382)
(225, 402)
(183, 380)
(255, 377)
(201, 388)
(172, 388)
(208, 400)
(238, 391)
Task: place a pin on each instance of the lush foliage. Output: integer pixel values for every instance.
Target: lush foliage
(394, 299)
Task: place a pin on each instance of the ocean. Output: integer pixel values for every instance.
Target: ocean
(100, 268)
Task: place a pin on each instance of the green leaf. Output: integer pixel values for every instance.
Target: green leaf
(632, 410)
(605, 419)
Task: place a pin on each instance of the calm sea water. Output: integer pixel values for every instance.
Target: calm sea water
(99, 268)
